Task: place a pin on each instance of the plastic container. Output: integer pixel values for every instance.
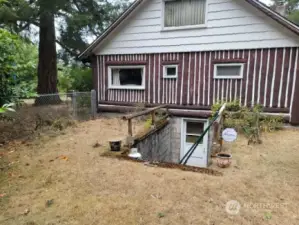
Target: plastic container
(115, 146)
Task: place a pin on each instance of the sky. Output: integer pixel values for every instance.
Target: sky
(266, 1)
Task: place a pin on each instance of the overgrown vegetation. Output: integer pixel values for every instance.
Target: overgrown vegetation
(249, 121)
(18, 71)
(18, 63)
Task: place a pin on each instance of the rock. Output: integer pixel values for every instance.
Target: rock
(49, 202)
(97, 145)
(26, 212)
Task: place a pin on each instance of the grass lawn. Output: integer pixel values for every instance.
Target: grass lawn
(64, 180)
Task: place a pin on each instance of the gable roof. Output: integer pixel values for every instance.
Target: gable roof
(256, 3)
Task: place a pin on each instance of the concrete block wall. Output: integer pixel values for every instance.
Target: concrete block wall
(165, 144)
(176, 124)
(157, 146)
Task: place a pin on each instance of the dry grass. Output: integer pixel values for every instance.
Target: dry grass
(29, 121)
(85, 189)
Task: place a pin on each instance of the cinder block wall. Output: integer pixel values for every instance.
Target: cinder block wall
(157, 146)
(165, 144)
(176, 124)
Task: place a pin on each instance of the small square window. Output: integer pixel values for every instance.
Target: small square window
(228, 71)
(170, 71)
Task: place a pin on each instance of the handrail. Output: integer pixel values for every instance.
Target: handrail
(194, 146)
(145, 112)
(134, 115)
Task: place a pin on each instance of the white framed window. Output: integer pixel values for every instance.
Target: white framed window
(170, 71)
(126, 77)
(228, 71)
(184, 14)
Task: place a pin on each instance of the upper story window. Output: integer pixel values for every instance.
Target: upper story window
(228, 71)
(184, 13)
(126, 77)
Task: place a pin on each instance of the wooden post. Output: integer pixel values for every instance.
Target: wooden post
(153, 113)
(220, 132)
(93, 101)
(130, 129)
(74, 104)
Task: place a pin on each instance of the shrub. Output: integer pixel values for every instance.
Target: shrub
(249, 121)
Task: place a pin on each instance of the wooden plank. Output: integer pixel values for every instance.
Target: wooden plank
(130, 128)
(134, 115)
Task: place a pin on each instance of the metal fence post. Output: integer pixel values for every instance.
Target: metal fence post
(93, 100)
(74, 103)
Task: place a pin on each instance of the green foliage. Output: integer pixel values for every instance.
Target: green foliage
(7, 107)
(75, 78)
(18, 62)
(292, 9)
(82, 79)
(78, 21)
(249, 121)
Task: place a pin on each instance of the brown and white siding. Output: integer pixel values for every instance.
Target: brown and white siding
(269, 78)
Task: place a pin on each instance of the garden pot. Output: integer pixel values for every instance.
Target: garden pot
(115, 146)
(224, 160)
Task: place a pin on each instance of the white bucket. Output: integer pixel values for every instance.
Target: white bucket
(134, 153)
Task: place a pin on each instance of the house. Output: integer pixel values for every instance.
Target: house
(192, 53)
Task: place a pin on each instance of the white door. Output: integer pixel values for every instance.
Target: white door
(191, 131)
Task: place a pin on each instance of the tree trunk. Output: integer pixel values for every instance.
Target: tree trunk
(47, 64)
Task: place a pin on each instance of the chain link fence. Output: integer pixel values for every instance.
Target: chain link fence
(47, 112)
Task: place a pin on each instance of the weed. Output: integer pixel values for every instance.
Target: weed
(161, 215)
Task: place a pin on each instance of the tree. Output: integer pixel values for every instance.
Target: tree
(292, 8)
(47, 63)
(77, 21)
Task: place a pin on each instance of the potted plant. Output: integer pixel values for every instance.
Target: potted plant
(224, 160)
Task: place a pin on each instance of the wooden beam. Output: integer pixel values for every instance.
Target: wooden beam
(134, 115)
(153, 113)
(130, 128)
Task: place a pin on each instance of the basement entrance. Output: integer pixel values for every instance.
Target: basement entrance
(192, 129)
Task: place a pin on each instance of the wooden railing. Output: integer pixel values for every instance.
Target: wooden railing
(130, 117)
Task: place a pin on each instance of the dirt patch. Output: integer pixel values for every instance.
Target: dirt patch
(123, 156)
(64, 180)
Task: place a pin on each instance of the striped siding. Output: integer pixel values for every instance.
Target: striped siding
(268, 78)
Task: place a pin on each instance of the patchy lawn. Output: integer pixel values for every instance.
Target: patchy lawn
(64, 180)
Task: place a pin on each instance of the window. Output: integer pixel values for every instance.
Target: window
(170, 71)
(194, 131)
(184, 13)
(228, 71)
(126, 77)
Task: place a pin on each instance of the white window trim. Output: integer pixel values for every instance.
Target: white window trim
(110, 86)
(199, 26)
(165, 67)
(228, 76)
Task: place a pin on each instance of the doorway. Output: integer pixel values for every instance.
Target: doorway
(191, 131)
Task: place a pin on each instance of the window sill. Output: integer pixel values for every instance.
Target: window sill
(126, 88)
(201, 26)
(228, 78)
(170, 77)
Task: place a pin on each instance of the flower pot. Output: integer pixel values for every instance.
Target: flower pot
(224, 160)
(115, 146)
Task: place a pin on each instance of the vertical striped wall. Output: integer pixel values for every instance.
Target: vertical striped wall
(268, 79)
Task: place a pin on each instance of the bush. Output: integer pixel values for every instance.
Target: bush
(249, 121)
(75, 78)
